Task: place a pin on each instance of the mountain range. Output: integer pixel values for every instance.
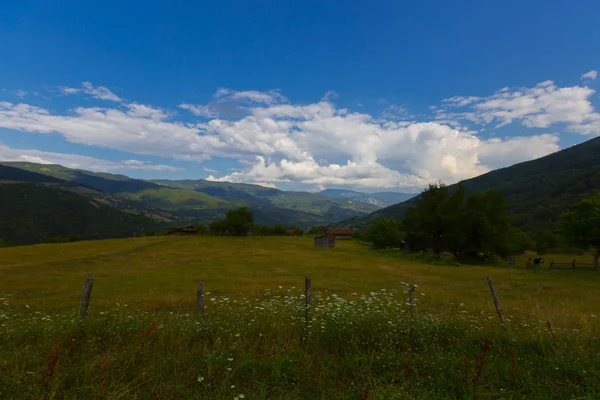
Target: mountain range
(140, 206)
(381, 199)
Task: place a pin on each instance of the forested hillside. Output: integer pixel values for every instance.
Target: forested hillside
(33, 212)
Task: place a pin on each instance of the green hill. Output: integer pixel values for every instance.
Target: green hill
(107, 183)
(8, 173)
(32, 212)
(537, 191)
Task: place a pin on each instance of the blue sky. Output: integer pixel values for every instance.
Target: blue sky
(305, 95)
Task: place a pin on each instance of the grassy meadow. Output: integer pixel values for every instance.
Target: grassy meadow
(142, 339)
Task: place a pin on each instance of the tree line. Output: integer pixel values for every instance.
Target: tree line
(476, 225)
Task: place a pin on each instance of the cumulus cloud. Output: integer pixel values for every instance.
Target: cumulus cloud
(590, 75)
(78, 161)
(320, 144)
(98, 92)
(541, 106)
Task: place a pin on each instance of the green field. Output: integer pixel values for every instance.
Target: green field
(142, 339)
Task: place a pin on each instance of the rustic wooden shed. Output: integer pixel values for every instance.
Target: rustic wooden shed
(188, 230)
(326, 241)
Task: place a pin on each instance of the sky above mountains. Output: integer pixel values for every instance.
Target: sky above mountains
(303, 95)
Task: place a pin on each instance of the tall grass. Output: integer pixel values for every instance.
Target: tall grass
(360, 346)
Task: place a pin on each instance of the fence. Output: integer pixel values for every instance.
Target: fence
(308, 301)
(571, 265)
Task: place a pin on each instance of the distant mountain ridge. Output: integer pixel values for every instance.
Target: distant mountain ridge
(272, 205)
(537, 191)
(197, 201)
(380, 199)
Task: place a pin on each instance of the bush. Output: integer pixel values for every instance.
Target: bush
(385, 233)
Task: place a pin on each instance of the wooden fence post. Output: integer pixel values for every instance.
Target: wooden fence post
(85, 299)
(573, 264)
(499, 310)
(308, 291)
(307, 305)
(411, 301)
(551, 264)
(200, 299)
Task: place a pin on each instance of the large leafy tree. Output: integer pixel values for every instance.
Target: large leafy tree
(239, 222)
(580, 225)
(464, 224)
(486, 224)
(385, 233)
(424, 224)
(236, 223)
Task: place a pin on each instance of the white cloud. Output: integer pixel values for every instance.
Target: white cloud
(590, 75)
(270, 97)
(143, 111)
(394, 112)
(497, 153)
(539, 107)
(98, 92)
(68, 90)
(105, 127)
(266, 184)
(78, 161)
(229, 103)
(278, 141)
(20, 93)
(460, 101)
(199, 110)
(209, 170)
(330, 95)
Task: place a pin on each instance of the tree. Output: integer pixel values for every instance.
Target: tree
(261, 230)
(547, 241)
(359, 235)
(385, 233)
(239, 222)
(317, 230)
(487, 224)
(278, 230)
(425, 223)
(201, 228)
(466, 225)
(218, 227)
(580, 225)
(520, 241)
